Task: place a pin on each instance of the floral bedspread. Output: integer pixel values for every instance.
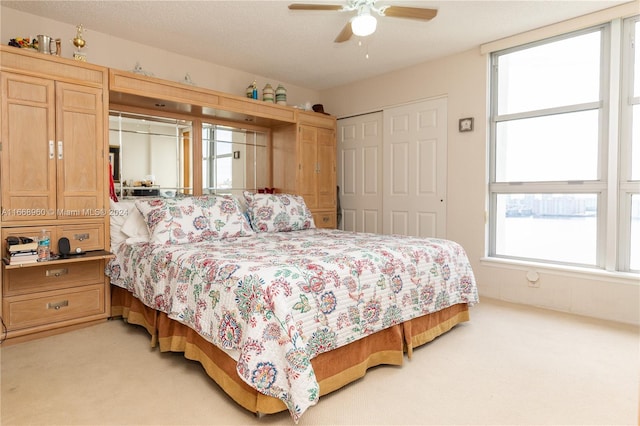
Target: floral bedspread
(280, 299)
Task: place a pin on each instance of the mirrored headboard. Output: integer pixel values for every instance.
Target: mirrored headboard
(147, 154)
(233, 159)
(154, 156)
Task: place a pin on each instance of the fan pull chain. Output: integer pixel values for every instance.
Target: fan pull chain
(366, 53)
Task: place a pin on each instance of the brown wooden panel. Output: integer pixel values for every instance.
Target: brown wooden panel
(155, 88)
(317, 119)
(28, 132)
(52, 307)
(326, 159)
(52, 276)
(324, 219)
(79, 150)
(308, 165)
(33, 63)
(85, 237)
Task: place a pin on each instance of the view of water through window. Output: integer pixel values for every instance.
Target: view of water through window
(567, 239)
(559, 227)
(556, 227)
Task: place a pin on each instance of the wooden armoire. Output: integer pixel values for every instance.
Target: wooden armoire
(54, 171)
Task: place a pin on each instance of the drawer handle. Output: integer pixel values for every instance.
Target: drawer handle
(58, 305)
(325, 219)
(57, 272)
(81, 237)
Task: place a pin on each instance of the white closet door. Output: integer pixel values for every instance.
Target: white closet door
(360, 172)
(415, 169)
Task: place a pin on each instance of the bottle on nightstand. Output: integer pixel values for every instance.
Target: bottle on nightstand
(44, 248)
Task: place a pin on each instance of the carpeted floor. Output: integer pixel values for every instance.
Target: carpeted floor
(511, 365)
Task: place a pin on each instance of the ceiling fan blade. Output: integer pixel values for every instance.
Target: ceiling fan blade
(409, 12)
(303, 6)
(345, 34)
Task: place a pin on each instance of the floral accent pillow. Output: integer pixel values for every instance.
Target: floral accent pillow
(278, 212)
(175, 221)
(226, 219)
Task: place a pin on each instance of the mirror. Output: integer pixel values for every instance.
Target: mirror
(150, 156)
(153, 156)
(233, 159)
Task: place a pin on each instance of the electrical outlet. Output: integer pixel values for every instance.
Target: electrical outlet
(534, 279)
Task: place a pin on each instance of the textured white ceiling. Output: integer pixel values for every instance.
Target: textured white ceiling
(266, 38)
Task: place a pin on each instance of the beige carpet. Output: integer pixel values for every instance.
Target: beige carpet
(510, 365)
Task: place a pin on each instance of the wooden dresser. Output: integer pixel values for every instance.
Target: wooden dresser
(54, 173)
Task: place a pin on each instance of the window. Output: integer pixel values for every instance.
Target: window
(217, 142)
(556, 191)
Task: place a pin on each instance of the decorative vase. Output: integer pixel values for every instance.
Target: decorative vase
(281, 95)
(267, 93)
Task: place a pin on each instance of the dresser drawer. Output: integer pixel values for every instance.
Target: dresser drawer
(325, 219)
(32, 310)
(85, 237)
(52, 276)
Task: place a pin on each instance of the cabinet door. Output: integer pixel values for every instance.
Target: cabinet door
(79, 150)
(28, 156)
(326, 159)
(308, 165)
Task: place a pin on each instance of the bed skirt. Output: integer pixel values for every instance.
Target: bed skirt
(333, 369)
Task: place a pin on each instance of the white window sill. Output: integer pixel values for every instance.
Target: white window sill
(565, 270)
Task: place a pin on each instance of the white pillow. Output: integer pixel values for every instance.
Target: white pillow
(135, 227)
(118, 214)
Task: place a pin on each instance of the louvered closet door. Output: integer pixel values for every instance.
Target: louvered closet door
(415, 169)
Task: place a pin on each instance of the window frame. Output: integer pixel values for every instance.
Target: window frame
(627, 187)
(211, 183)
(598, 186)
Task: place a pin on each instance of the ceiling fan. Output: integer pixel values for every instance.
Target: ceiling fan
(364, 23)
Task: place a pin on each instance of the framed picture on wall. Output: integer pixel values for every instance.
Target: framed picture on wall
(465, 124)
(114, 160)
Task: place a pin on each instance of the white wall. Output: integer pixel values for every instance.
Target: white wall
(464, 79)
(113, 52)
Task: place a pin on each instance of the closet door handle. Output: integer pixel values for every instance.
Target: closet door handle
(51, 150)
(59, 150)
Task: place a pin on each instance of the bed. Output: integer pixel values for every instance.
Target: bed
(277, 311)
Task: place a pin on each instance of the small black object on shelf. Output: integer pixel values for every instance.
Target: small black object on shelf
(64, 248)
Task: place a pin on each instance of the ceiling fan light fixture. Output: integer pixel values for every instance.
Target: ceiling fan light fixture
(364, 24)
